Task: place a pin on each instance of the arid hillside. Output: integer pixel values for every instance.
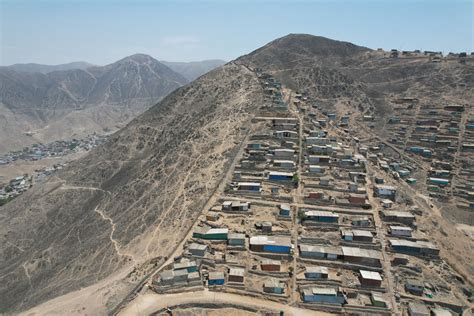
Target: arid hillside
(129, 201)
(135, 198)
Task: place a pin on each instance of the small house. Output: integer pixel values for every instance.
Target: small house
(313, 273)
(317, 169)
(386, 203)
(280, 176)
(189, 266)
(236, 239)
(415, 287)
(315, 195)
(362, 256)
(197, 250)
(270, 265)
(399, 217)
(283, 153)
(379, 180)
(166, 277)
(370, 278)
(275, 244)
(323, 295)
(284, 164)
(285, 210)
(211, 234)
(321, 216)
(357, 199)
(363, 221)
(236, 275)
(439, 311)
(285, 134)
(322, 252)
(318, 159)
(414, 247)
(216, 278)
(274, 286)
(418, 309)
(193, 277)
(356, 235)
(267, 227)
(249, 186)
(180, 276)
(438, 181)
(254, 146)
(385, 191)
(378, 300)
(325, 181)
(317, 140)
(401, 231)
(235, 206)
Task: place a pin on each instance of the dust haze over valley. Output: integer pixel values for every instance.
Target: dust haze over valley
(81, 241)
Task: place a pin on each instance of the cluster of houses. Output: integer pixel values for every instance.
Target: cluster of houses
(299, 217)
(18, 185)
(14, 188)
(54, 149)
(436, 135)
(430, 56)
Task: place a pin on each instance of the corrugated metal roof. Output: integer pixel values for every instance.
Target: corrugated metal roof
(323, 291)
(278, 173)
(216, 275)
(370, 275)
(321, 213)
(274, 283)
(237, 271)
(248, 184)
(415, 244)
(362, 233)
(361, 253)
(196, 246)
(218, 231)
(393, 227)
(398, 214)
(270, 240)
(317, 270)
(320, 249)
(236, 236)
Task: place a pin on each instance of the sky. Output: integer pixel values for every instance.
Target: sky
(103, 31)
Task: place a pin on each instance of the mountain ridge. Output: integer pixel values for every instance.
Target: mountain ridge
(71, 103)
(44, 69)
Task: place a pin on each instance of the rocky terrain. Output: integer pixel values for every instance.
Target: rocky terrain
(135, 198)
(37, 107)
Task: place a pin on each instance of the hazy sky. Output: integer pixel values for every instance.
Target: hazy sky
(103, 31)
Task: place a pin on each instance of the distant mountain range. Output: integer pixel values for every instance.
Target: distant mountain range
(189, 70)
(44, 69)
(194, 69)
(41, 103)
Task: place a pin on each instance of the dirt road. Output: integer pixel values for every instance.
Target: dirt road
(151, 302)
